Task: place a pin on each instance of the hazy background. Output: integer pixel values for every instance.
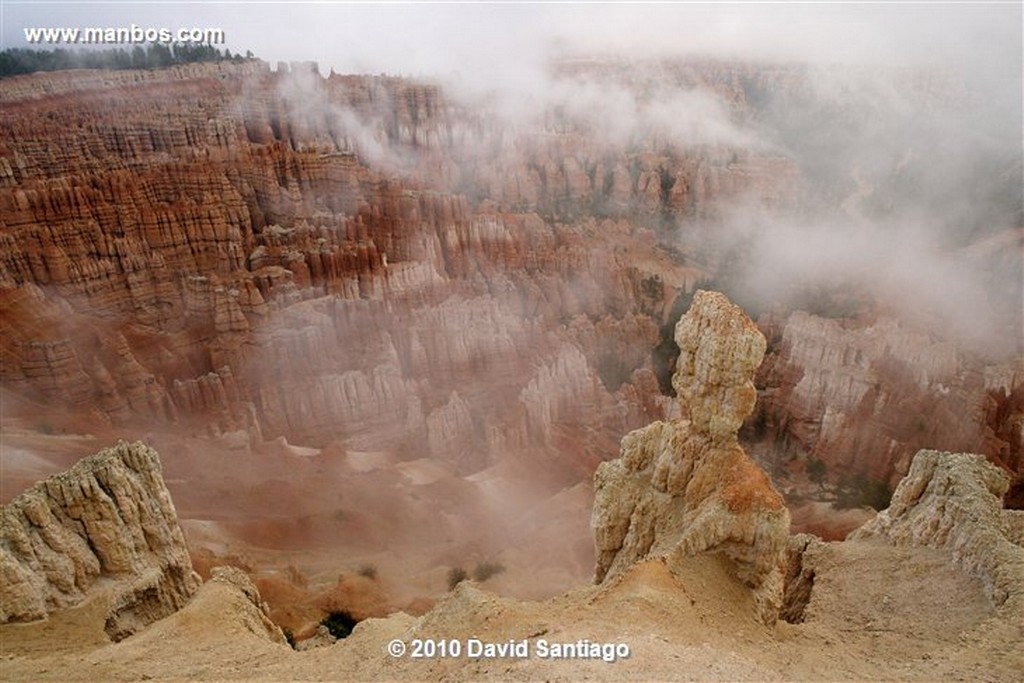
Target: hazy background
(505, 48)
(917, 180)
(507, 40)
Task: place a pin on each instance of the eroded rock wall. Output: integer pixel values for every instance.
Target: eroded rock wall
(865, 397)
(108, 527)
(321, 258)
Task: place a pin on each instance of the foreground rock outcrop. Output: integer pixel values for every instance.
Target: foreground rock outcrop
(106, 526)
(253, 614)
(685, 486)
(952, 501)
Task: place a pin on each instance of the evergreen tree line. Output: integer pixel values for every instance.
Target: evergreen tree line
(18, 60)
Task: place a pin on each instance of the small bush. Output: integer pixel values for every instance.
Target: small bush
(289, 636)
(340, 624)
(456, 575)
(817, 471)
(486, 570)
(369, 571)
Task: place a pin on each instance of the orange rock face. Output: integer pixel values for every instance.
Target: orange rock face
(366, 263)
(353, 259)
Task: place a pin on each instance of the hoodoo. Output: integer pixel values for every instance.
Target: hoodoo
(685, 486)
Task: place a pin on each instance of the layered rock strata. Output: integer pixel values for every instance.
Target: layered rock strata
(107, 526)
(229, 247)
(952, 501)
(324, 259)
(686, 486)
(864, 396)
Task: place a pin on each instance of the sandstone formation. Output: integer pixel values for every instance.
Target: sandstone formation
(799, 576)
(235, 248)
(106, 527)
(685, 486)
(256, 616)
(952, 501)
(864, 396)
(377, 319)
(232, 248)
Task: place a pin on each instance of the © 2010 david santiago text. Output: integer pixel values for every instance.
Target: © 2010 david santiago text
(475, 648)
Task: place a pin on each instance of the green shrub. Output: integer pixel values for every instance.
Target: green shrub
(456, 575)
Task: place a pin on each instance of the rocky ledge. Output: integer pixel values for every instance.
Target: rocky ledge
(953, 501)
(105, 528)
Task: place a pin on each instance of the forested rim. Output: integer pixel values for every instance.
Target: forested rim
(19, 60)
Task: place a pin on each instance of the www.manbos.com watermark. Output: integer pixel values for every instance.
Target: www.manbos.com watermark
(122, 35)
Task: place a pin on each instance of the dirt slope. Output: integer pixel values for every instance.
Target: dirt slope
(876, 613)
